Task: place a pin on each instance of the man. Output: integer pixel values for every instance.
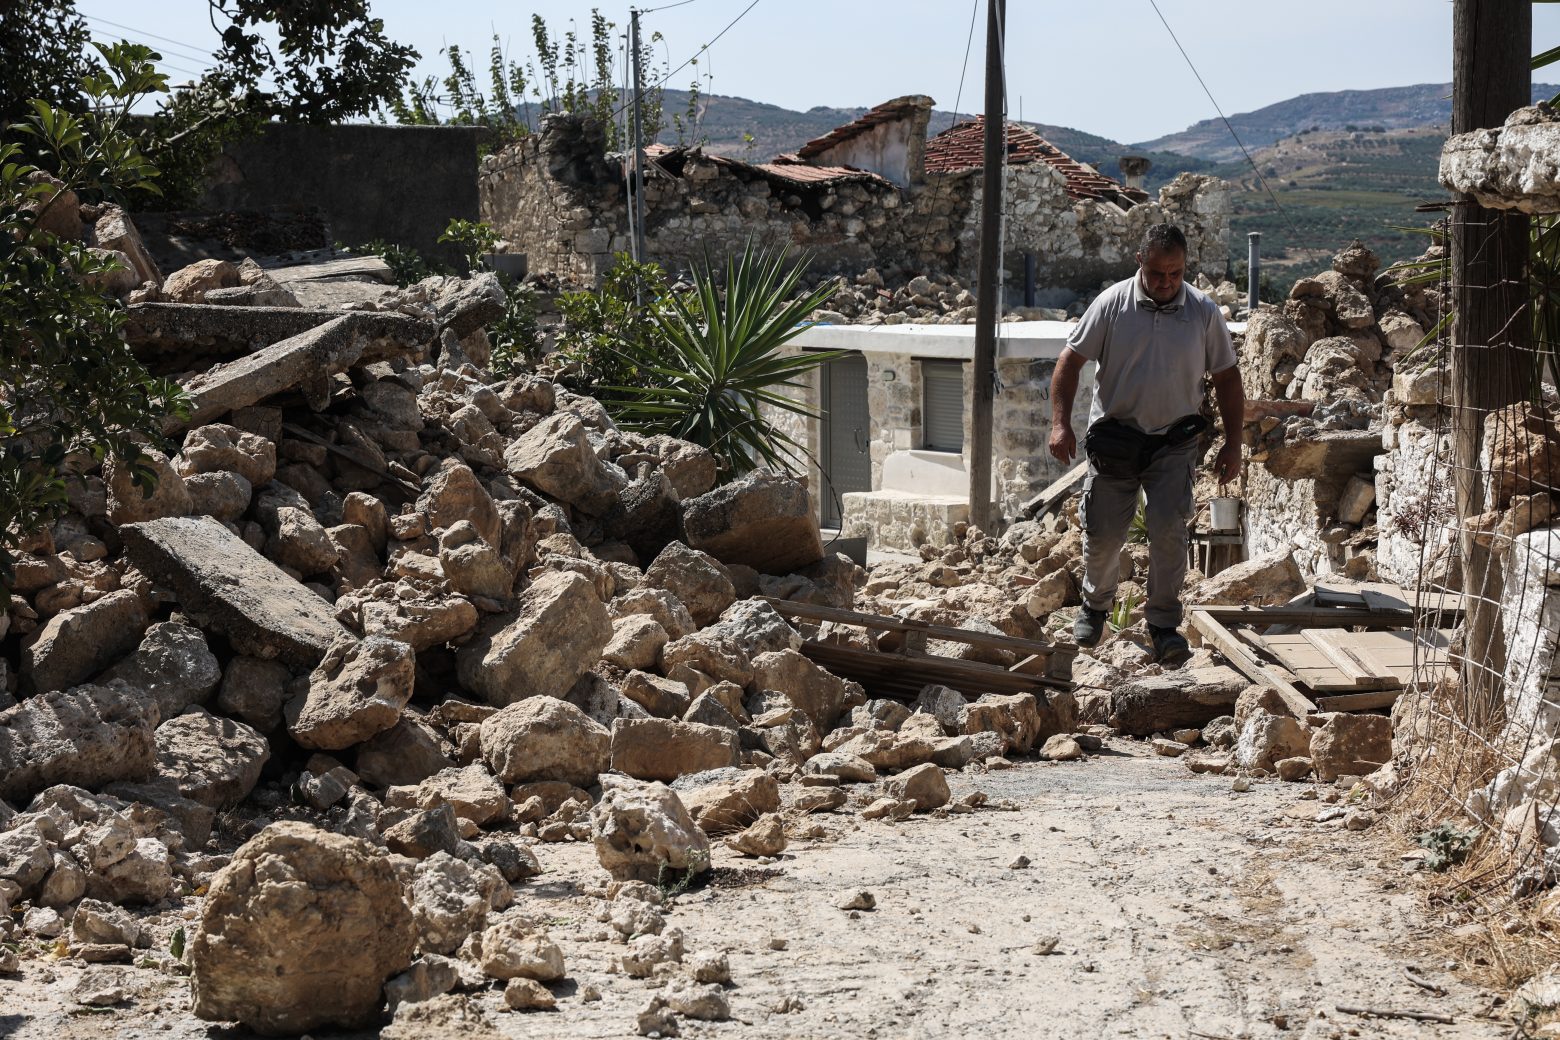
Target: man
(1154, 338)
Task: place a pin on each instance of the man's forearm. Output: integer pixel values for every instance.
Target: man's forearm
(1231, 398)
(1064, 387)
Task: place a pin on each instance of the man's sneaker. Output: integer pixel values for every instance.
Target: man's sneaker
(1170, 646)
(1090, 626)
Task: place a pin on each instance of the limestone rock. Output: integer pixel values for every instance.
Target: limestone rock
(405, 754)
(695, 579)
(636, 642)
(555, 457)
(77, 644)
(190, 284)
(471, 791)
(358, 690)
(925, 785)
(544, 738)
(174, 665)
(447, 903)
(667, 610)
(1274, 578)
(1186, 697)
(452, 493)
(214, 761)
(128, 504)
(300, 931)
(1345, 745)
(556, 633)
(87, 736)
(217, 446)
(255, 690)
(517, 948)
(813, 689)
(728, 799)
(663, 749)
(642, 832)
(762, 520)
(1267, 739)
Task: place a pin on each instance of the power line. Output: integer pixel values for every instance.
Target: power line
(695, 57)
(958, 97)
(664, 7)
(164, 63)
(1260, 179)
(196, 53)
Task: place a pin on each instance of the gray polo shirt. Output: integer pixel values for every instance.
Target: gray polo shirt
(1152, 358)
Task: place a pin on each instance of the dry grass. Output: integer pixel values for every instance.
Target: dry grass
(1500, 932)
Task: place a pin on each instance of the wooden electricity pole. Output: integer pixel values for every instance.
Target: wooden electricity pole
(988, 288)
(1491, 365)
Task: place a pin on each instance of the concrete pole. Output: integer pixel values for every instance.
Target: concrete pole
(638, 143)
(984, 375)
(1253, 265)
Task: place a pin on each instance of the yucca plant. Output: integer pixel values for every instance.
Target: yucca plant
(715, 360)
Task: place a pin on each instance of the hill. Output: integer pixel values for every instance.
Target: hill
(1388, 108)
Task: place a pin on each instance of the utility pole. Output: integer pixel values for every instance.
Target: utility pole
(638, 185)
(987, 289)
(1491, 365)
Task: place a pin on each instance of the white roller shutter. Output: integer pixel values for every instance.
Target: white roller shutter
(942, 406)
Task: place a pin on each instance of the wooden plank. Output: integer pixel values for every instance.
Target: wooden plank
(1309, 617)
(1057, 490)
(880, 623)
(1246, 662)
(1360, 701)
(1309, 665)
(912, 671)
(1335, 645)
(1394, 653)
(1340, 594)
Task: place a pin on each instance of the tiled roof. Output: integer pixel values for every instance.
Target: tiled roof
(787, 168)
(962, 147)
(887, 112)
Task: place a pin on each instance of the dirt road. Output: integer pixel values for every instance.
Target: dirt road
(1178, 908)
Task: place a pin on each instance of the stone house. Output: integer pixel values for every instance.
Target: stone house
(876, 192)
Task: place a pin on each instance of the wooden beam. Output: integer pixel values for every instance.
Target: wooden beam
(1359, 701)
(912, 671)
(1057, 490)
(1246, 662)
(1308, 617)
(881, 623)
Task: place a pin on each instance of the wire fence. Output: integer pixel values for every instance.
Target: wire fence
(1482, 716)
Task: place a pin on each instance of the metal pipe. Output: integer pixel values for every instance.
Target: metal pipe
(639, 151)
(1253, 267)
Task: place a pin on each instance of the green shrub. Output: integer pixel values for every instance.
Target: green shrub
(70, 387)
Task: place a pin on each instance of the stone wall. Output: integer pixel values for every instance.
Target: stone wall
(556, 198)
(401, 184)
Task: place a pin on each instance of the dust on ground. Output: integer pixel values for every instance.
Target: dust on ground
(1177, 907)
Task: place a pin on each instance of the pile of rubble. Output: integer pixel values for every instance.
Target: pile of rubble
(385, 627)
(940, 299)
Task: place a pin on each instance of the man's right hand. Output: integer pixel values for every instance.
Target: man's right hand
(1064, 444)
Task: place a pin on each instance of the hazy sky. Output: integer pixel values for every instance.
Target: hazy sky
(1108, 68)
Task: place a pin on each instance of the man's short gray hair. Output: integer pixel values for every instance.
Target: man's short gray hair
(1162, 238)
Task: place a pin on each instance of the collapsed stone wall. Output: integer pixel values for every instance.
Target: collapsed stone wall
(556, 197)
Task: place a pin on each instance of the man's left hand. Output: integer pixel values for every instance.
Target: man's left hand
(1226, 465)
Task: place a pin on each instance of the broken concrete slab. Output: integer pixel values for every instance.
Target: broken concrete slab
(155, 330)
(305, 361)
(223, 584)
(764, 520)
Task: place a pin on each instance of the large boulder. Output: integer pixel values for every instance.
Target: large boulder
(1274, 578)
(77, 644)
(555, 635)
(357, 691)
(451, 493)
(812, 688)
(174, 665)
(191, 283)
(1022, 719)
(1182, 699)
(129, 504)
(1350, 745)
(696, 579)
(544, 738)
(227, 587)
(87, 736)
(764, 520)
(406, 753)
(642, 832)
(556, 458)
(214, 761)
(300, 932)
(1265, 740)
(664, 749)
(728, 799)
(217, 446)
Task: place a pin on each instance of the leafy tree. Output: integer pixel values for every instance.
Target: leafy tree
(43, 54)
(70, 388)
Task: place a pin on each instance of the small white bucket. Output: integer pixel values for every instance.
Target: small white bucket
(1224, 514)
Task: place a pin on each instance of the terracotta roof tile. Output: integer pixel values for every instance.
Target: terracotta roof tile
(787, 168)
(887, 112)
(962, 147)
